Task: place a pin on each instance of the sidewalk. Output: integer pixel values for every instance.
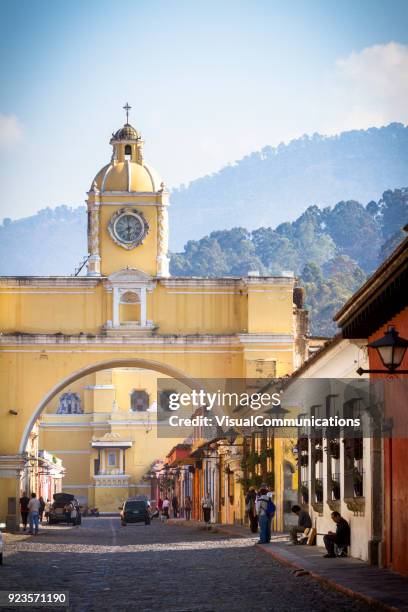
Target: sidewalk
(379, 587)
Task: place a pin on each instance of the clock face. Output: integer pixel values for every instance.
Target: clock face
(128, 227)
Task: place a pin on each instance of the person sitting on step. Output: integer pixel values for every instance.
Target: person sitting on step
(341, 538)
(304, 522)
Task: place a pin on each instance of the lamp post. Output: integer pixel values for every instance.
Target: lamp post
(391, 349)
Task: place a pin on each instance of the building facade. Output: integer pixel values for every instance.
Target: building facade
(105, 428)
(128, 312)
(380, 304)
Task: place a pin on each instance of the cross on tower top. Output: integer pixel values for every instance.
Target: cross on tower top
(127, 109)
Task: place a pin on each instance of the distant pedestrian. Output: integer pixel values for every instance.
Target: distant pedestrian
(47, 510)
(165, 509)
(33, 514)
(175, 506)
(24, 509)
(304, 522)
(250, 507)
(207, 505)
(67, 512)
(187, 507)
(74, 515)
(266, 510)
(42, 507)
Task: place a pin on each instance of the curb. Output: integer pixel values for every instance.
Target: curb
(330, 583)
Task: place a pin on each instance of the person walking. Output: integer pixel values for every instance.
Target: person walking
(33, 514)
(165, 509)
(207, 505)
(266, 511)
(47, 510)
(187, 507)
(67, 512)
(304, 522)
(24, 509)
(250, 507)
(175, 506)
(42, 507)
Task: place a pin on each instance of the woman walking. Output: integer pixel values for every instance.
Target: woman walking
(165, 508)
(42, 507)
(187, 507)
(250, 506)
(207, 505)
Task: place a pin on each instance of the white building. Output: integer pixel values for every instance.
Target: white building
(337, 473)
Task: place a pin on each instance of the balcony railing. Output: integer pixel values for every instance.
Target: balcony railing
(110, 472)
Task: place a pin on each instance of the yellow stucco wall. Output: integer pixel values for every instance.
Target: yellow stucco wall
(55, 331)
(114, 257)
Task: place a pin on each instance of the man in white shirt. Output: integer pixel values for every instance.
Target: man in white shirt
(33, 514)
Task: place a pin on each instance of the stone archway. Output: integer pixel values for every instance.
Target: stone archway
(103, 365)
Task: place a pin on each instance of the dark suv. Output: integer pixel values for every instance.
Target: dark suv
(57, 514)
(135, 511)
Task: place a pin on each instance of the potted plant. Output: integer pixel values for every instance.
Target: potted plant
(318, 454)
(335, 487)
(304, 491)
(358, 448)
(357, 483)
(319, 490)
(302, 444)
(304, 460)
(334, 449)
(270, 479)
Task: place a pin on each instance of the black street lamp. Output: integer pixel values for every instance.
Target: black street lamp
(391, 349)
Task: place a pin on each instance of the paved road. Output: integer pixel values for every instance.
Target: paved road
(160, 568)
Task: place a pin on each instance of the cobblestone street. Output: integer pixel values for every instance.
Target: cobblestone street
(160, 567)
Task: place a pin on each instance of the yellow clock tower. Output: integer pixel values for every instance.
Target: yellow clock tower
(127, 212)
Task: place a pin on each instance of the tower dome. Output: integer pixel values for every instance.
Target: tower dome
(127, 132)
(127, 170)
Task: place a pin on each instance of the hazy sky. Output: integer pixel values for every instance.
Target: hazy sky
(208, 82)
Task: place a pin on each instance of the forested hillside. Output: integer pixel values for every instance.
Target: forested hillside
(331, 250)
(277, 184)
(269, 212)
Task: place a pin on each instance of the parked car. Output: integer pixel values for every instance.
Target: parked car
(57, 514)
(135, 511)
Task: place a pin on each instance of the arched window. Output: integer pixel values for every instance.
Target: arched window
(128, 152)
(129, 307)
(139, 401)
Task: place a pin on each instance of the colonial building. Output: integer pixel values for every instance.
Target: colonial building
(105, 428)
(335, 473)
(379, 307)
(128, 312)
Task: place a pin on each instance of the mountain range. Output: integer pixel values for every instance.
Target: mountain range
(292, 207)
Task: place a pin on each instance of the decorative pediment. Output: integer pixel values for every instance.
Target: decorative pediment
(108, 437)
(129, 275)
(110, 440)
